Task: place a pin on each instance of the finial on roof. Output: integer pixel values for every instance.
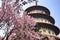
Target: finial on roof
(36, 3)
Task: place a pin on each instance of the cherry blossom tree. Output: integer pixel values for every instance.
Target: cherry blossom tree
(10, 15)
(17, 27)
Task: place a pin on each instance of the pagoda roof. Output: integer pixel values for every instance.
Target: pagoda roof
(49, 26)
(38, 15)
(38, 8)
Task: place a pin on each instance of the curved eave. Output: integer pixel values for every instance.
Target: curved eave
(57, 38)
(38, 8)
(43, 16)
(50, 26)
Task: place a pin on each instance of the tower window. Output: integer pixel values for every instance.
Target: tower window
(40, 31)
(45, 38)
(42, 19)
(46, 20)
(52, 32)
(49, 32)
(44, 30)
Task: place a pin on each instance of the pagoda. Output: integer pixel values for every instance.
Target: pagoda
(45, 22)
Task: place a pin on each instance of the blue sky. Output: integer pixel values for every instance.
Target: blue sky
(52, 5)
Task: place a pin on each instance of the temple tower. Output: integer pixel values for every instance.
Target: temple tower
(45, 23)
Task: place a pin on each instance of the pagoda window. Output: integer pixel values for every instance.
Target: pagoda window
(44, 30)
(49, 31)
(53, 33)
(41, 31)
(45, 20)
(42, 20)
(45, 38)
